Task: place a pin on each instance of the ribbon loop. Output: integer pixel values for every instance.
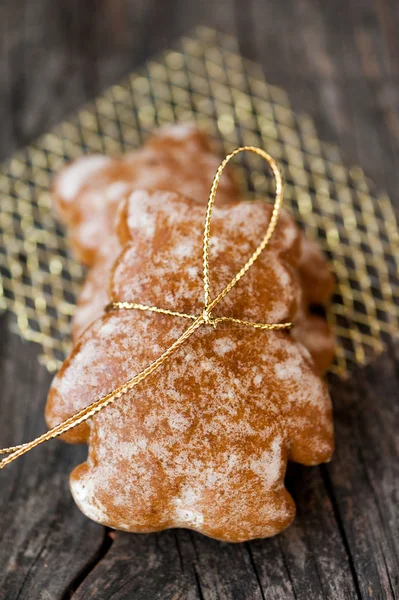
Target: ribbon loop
(279, 187)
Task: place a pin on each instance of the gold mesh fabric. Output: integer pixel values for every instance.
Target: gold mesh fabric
(204, 79)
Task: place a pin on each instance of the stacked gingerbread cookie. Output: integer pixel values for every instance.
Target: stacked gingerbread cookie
(203, 442)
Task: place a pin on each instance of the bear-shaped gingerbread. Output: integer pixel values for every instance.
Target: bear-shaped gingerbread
(202, 443)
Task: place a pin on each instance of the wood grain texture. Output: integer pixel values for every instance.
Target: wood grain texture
(45, 543)
(339, 62)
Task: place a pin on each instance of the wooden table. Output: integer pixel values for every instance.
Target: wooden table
(339, 62)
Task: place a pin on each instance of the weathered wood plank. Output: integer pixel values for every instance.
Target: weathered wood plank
(338, 61)
(364, 475)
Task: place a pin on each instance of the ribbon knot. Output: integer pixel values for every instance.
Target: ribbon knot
(207, 317)
(204, 318)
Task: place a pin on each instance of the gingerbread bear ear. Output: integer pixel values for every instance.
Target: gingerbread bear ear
(181, 134)
(73, 179)
(141, 212)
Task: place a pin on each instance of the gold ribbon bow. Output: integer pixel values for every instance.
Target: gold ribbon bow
(205, 318)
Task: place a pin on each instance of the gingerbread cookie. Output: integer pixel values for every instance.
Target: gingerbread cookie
(202, 443)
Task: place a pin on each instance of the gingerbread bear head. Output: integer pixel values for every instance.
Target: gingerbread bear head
(203, 442)
(88, 190)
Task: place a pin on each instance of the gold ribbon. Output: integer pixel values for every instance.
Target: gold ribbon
(205, 318)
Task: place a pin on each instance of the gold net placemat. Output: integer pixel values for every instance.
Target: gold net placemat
(204, 79)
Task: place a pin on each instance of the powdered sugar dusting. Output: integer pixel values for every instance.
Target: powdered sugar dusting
(177, 132)
(78, 172)
(268, 465)
(139, 216)
(224, 345)
(116, 190)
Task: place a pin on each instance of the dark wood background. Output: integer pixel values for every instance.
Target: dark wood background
(339, 62)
